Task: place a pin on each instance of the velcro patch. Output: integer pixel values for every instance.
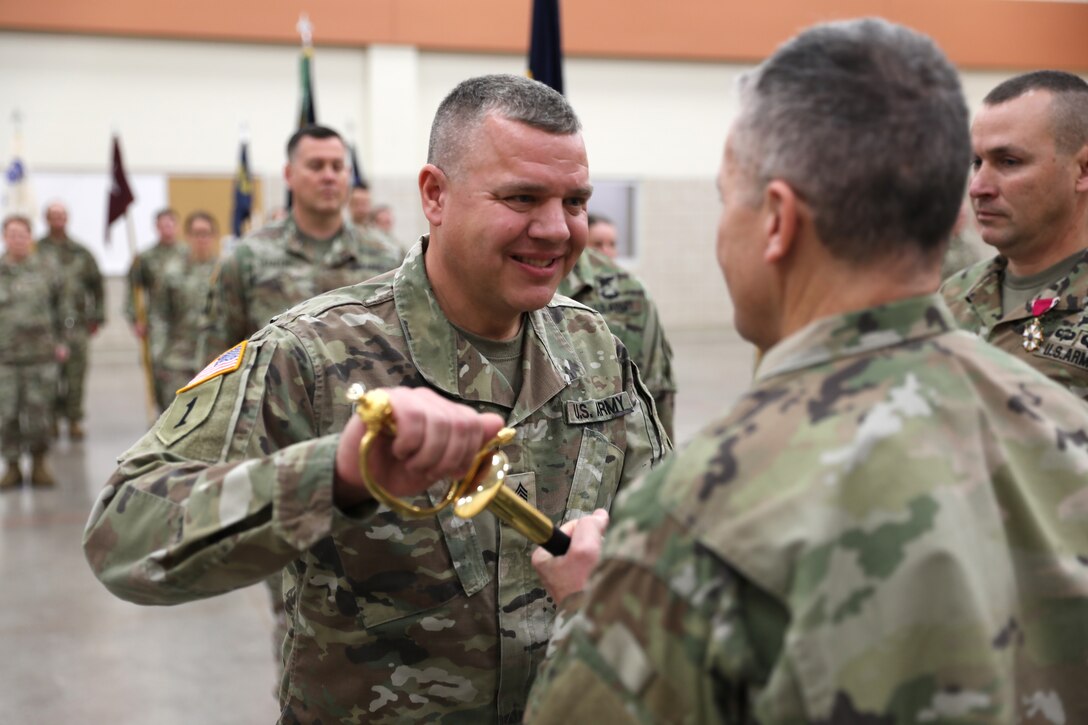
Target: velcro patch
(593, 411)
(1068, 354)
(228, 362)
(187, 412)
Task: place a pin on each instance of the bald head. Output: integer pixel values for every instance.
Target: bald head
(56, 217)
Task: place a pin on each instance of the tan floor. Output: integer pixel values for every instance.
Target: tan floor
(72, 653)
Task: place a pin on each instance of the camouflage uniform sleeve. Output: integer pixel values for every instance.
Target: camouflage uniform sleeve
(227, 488)
(226, 315)
(658, 636)
(95, 289)
(658, 373)
(647, 440)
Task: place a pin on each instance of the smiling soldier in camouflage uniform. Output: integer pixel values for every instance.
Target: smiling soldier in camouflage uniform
(598, 282)
(255, 466)
(1029, 189)
(890, 527)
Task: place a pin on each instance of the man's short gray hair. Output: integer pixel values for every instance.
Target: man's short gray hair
(513, 97)
(866, 121)
(1068, 110)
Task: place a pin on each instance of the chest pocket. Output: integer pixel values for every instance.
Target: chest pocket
(596, 475)
(600, 461)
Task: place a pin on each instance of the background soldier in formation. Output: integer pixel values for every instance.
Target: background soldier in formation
(87, 305)
(257, 467)
(598, 282)
(32, 314)
(1029, 189)
(381, 225)
(311, 251)
(186, 282)
(144, 306)
(602, 236)
(888, 527)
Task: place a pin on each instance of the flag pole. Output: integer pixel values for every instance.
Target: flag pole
(139, 303)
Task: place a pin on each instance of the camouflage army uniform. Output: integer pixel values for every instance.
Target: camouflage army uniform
(974, 296)
(392, 621)
(87, 302)
(33, 309)
(273, 268)
(598, 282)
(185, 291)
(146, 274)
(889, 527)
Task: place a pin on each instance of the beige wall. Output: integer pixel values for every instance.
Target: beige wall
(179, 105)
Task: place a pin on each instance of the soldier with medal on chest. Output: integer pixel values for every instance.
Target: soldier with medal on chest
(1029, 191)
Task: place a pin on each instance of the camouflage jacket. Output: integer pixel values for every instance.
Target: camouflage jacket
(598, 282)
(185, 291)
(272, 270)
(974, 296)
(392, 620)
(82, 280)
(888, 528)
(33, 308)
(145, 278)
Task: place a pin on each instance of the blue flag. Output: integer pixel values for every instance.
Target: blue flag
(357, 178)
(243, 193)
(545, 45)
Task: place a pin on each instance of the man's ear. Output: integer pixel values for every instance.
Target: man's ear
(780, 222)
(433, 185)
(287, 174)
(1081, 157)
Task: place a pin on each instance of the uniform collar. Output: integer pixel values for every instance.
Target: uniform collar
(580, 278)
(446, 360)
(984, 295)
(342, 249)
(855, 333)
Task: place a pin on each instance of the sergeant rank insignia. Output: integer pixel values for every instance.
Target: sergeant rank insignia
(1033, 331)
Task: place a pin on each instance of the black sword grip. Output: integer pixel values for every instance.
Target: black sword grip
(558, 543)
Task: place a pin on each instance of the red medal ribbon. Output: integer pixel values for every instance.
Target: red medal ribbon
(1042, 306)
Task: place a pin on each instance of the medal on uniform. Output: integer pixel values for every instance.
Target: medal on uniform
(1033, 335)
(1033, 331)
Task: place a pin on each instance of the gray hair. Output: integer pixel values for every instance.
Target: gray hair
(866, 121)
(1068, 110)
(513, 97)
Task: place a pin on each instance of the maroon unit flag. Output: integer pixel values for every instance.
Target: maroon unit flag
(120, 193)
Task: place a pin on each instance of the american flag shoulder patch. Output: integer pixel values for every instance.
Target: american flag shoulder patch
(228, 362)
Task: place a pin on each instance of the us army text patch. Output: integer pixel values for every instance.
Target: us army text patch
(1064, 353)
(592, 411)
